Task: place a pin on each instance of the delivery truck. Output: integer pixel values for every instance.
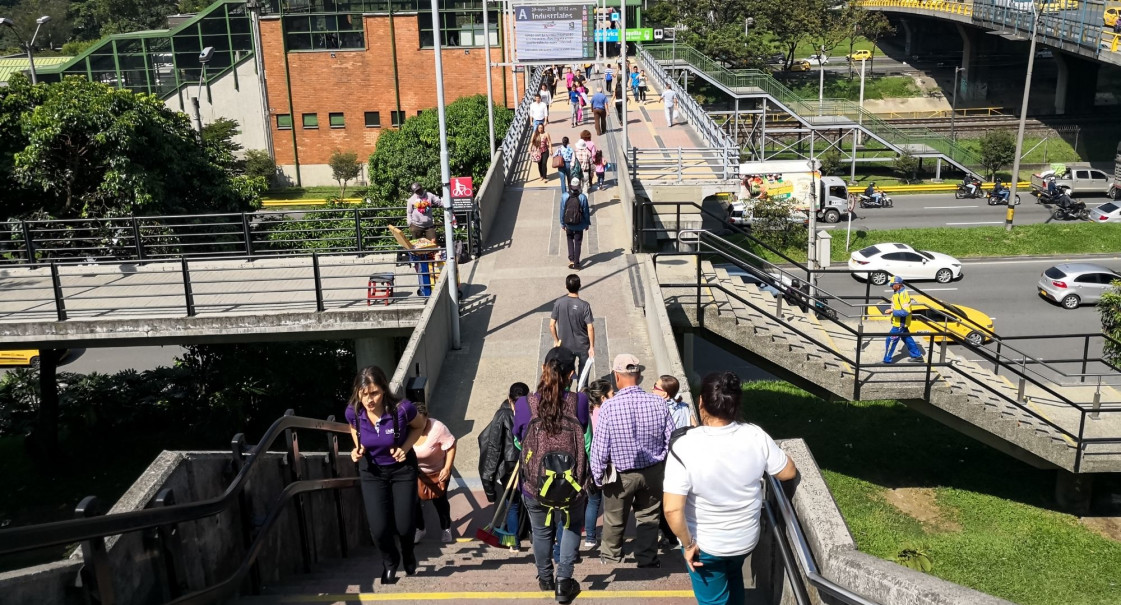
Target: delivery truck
(793, 183)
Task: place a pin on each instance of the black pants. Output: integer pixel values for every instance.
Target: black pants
(600, 118)
(443, 511)
(543, 166)
(390, 496)
(575, 242)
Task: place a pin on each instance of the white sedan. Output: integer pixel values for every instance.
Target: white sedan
(1109, 212)
(881, 262)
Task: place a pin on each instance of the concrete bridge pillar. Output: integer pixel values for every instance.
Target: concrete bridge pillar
(1083, 74)
(910, 37)
(376, 351)
(971, 85)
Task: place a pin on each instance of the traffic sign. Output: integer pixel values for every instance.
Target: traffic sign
(644, 34)
(614, 16)
(463, 194)
(657, 34)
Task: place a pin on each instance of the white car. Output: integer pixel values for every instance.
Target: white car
(881, 262)
(813, 59)
(1109, 212)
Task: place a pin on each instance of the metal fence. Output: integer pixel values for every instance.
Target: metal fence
(313, 282)
(680, 164)
(519, 128)
(253, 234)
(694, 114)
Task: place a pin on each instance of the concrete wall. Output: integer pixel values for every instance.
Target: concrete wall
(490, 193)
(234, 98)
(667, 360)
(430, 342)
(212, 547)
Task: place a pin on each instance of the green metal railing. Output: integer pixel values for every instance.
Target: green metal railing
(813, 113)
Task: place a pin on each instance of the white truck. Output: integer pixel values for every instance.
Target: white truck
(1074, 179)
(790, 182)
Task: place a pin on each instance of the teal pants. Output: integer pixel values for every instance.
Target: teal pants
(719, 580)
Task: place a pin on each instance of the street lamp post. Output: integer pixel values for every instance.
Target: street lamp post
(1036, 17)
(28, 44)
(821, 79)
(204, 58)
(490, 82)
(954, 103)
(445, 177)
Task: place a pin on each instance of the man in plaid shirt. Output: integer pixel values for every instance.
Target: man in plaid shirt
(632, 435)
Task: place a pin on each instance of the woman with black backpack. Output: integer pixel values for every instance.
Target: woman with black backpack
(575, 219)
(384, 429)
(550, 425)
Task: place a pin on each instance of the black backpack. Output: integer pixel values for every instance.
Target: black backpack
(573, 213)
(554, 466)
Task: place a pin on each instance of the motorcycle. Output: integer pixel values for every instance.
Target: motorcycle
(995, 199)
(1068, 210)
(1046, 197)
(867, 201)
(964, 193)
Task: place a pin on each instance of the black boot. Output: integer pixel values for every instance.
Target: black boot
(388, 574)
(567, 589)
(546, 584)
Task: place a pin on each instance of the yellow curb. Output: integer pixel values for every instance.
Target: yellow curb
(369, 597)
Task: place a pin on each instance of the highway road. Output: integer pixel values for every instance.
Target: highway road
(113, 360)
(1005, 289)
(943, 210)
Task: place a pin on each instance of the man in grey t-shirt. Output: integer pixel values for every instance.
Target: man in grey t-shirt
(571, 323)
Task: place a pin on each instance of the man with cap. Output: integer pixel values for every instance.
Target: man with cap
(419, 212)
(900, 323)
(574, 223)
(632, 438)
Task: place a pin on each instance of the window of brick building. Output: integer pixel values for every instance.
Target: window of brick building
(330, 30)
(337, 120)
(398, 118)
(373, 119)
(311, 120)
(461, 24)
(284, 121)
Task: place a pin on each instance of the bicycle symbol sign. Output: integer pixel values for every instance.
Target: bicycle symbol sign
(461, 187)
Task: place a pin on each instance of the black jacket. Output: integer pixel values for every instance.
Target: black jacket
(497, 453)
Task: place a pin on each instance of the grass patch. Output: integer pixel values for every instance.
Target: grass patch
(312, 193)
(841, 87)
(1035, 239)
(1036, 150)
(1011, 543)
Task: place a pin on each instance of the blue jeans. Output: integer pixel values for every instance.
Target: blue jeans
(719, 581)
(564, 177)
(512, 518)
(591, 514)
(537, 123)
(544, 536)
(893, 341)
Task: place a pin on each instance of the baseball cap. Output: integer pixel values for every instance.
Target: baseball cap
(625, 363)
(575, 182)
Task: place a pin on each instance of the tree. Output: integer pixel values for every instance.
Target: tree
(96, 18)
(92, 150)
(1109, 307)
(412, 153)
(788, 22)
(258, 163)
(907, 167)
(874, 25)
(218, 140)
(344, 168)
(715, 29)
(998, 149)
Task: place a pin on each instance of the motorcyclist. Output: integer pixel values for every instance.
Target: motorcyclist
(871, 193)
(1000, 190)
(971, 183)
(1052, 188)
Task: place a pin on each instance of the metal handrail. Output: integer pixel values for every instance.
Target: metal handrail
(58, 533)
(696, 115)
(518, 132)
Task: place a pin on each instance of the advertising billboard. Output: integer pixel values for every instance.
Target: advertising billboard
(554, 32)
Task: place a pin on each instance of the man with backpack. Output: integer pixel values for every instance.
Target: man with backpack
(575, 218)
(631, 437)
(550, 425)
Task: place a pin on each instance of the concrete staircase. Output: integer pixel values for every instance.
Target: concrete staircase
(1035, 427)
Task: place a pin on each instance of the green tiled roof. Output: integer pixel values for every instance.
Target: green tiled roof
(11, 66)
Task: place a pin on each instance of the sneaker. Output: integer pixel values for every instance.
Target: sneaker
(917, 359)
(446, 537)
(589, 544)
(567, 589)
(418, 536)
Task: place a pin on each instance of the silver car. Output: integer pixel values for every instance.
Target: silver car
(1073, 284)
(1109, 212)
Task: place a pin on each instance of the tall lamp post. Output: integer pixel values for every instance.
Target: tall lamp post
(821, 79)
(28, 44)
(204, 57)
(446, 176)
(1036, 17)
(954, 103)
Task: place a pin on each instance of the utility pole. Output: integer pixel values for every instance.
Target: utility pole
(490, 83)
(954, 104)
(1023, 118)
(445, 178)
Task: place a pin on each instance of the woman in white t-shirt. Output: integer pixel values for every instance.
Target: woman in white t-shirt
(435, 454)
(713, 490)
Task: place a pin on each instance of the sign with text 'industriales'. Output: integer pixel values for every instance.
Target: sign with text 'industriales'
(554, 32)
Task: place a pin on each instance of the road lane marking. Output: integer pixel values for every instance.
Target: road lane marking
(980, 223)
(946, 207)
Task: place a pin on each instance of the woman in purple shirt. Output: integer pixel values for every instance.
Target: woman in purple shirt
(384, 430)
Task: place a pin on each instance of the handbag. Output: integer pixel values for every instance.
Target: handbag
(558, 161)
(429, 486)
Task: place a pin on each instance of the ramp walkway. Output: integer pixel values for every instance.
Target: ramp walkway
(830, 115)
(832, 348)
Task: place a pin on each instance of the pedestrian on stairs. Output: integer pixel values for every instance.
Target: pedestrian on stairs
(435, 454)
(900, 323)
(384, 430)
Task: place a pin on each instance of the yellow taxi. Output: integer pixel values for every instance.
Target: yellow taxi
(860, 55)
(800, 65)
(928, 315)
(1054, 6)
(24, 357)
(1110, 15)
